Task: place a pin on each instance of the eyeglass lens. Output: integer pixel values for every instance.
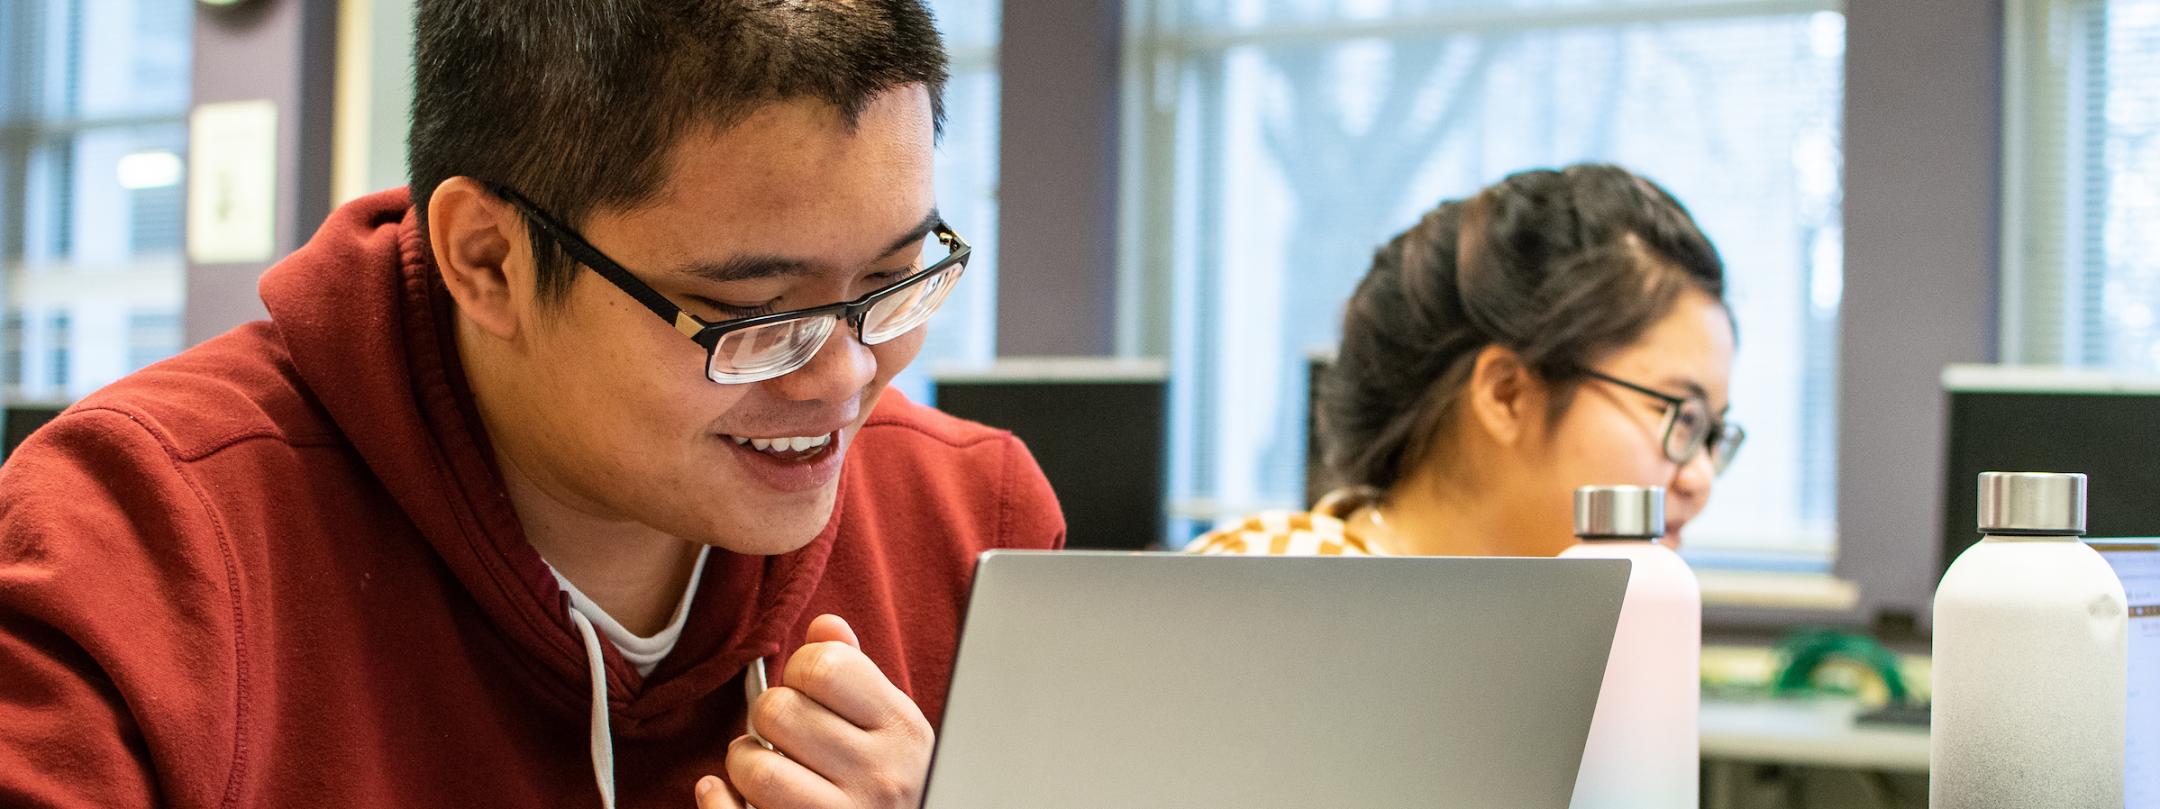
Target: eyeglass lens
(763, 352)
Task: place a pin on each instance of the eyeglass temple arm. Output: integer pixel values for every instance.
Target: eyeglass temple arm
(1667, 398)
(607, 268)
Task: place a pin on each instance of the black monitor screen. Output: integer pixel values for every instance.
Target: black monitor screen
(2111, 436)
(19, 421)
(1100, 441)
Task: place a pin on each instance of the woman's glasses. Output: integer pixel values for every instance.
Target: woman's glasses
(1690, 429)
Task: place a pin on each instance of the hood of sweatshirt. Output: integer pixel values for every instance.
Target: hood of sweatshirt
(368, 324)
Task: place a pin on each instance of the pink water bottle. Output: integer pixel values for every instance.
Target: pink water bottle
(1643, 751)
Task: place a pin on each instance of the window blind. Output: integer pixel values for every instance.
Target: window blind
(2081, 258)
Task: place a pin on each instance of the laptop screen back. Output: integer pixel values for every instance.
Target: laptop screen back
(1090, 680)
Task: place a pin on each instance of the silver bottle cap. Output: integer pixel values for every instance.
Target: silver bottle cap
(1620, 512)
(2032, 503)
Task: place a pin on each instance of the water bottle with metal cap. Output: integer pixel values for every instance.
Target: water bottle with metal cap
(2031, 657)
(1642, 751)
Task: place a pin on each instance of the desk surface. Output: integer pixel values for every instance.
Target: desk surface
(1808, 732)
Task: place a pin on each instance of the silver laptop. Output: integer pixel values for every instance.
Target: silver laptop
(1165, 680)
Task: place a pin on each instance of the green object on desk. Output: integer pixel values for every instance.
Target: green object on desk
(1806, 651)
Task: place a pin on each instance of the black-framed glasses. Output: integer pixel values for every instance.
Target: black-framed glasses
(1690, 429)
(755, 349)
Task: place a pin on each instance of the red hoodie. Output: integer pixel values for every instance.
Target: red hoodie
(280, 569)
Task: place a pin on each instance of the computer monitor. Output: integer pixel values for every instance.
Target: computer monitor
(2137, 564)
(2023, 419)
(18, 421)
(1317, 363)
(1097, 427)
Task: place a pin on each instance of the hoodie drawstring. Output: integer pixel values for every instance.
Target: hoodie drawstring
(603, 741)
(603, 738)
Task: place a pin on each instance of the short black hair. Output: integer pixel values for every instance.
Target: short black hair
(1560, 266)
(577, 104)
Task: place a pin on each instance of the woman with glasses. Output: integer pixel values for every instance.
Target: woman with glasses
(1559, 329)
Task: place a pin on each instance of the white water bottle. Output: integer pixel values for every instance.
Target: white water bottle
(2031, 658)
(1644, 742)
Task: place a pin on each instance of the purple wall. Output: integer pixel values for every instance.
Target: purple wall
(1923, 153)
(284, 51)
(1058, 181)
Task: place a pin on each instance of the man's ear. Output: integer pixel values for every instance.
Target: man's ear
(478, 242)
(1504, 395)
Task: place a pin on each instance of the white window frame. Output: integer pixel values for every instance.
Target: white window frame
(87, 297)
(1150, 204)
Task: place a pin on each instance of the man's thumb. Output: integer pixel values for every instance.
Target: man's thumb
(828, 628)
(712, 793)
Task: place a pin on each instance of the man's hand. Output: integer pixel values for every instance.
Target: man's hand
(845, 736)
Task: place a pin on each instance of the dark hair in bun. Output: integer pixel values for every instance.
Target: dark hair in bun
(1561, 267)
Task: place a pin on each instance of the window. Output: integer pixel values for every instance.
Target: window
(965, 329)
(61, 365)
(2081, 259)
(93, 98)
(12, 332)
(152, 336)
(1288, 138)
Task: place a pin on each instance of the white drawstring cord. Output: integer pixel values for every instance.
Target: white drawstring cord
(603, 742)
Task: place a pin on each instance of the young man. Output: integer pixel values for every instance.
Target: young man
(531, 470)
